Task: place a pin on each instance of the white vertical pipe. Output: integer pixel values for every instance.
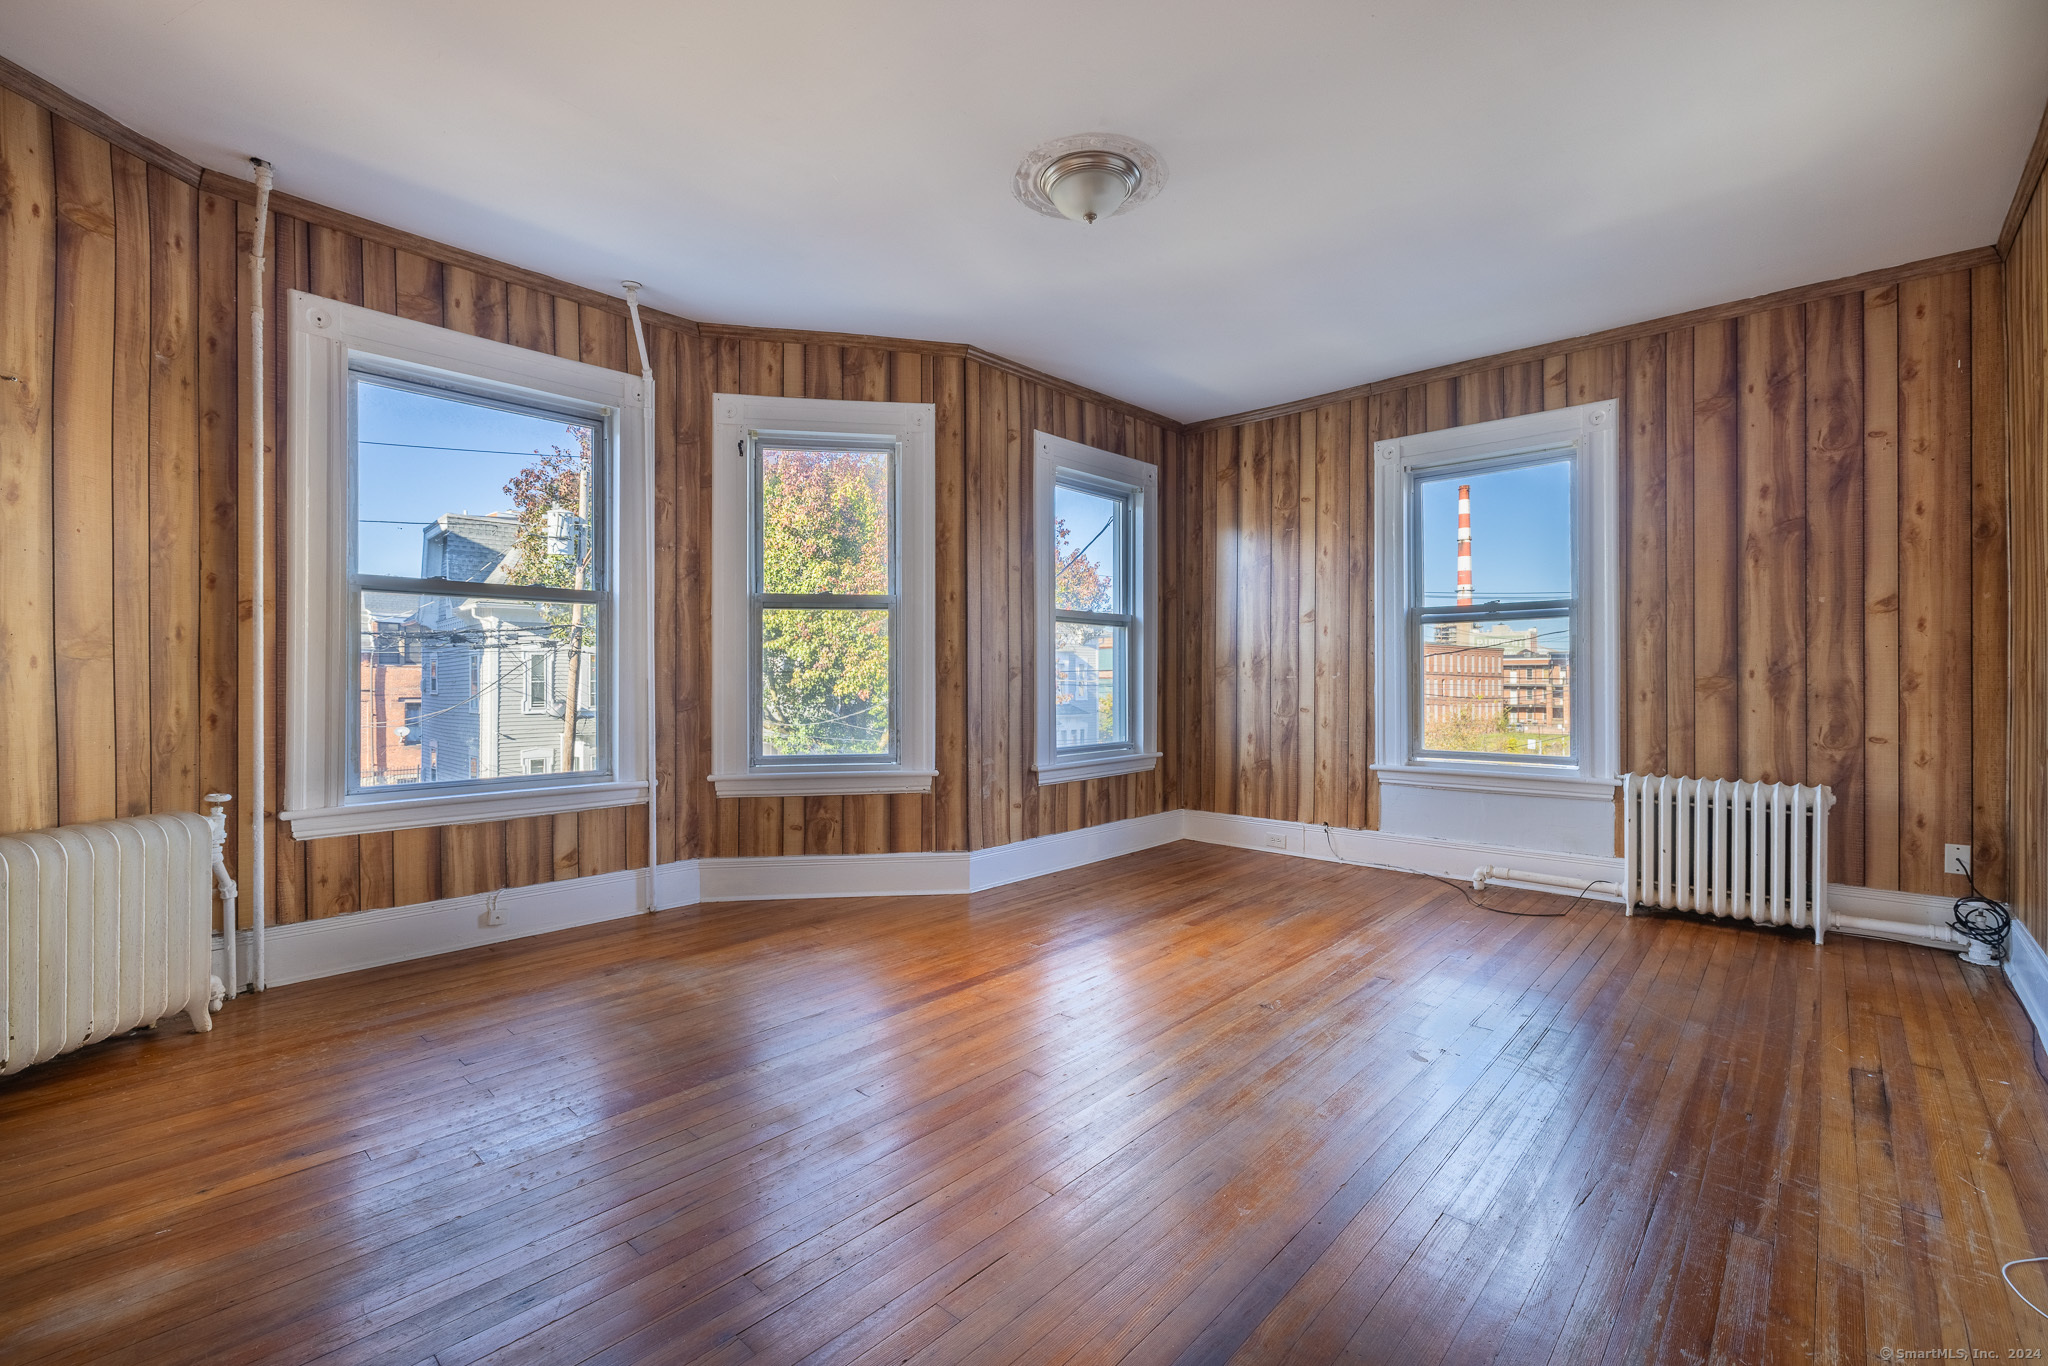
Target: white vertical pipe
(632, 289)
(259, 883)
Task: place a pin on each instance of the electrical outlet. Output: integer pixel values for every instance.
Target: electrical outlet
(1955, 858)
(1276, 841)
(492, 916)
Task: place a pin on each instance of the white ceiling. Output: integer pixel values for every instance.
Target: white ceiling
(1357, 190)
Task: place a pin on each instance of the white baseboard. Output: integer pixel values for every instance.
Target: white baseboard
(827, 875)
(371, 939)
(1455, 859)
(368, 939)
(1007, 863)
(2026, 967)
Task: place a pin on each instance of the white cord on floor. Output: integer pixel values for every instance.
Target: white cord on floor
(2003, 1273)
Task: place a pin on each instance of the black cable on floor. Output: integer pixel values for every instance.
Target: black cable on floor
(1466, 892)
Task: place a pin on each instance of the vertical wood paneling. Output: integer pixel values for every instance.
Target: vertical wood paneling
(1990, 495)
(1716, 551)
(1814, 552)
(28, 684)
(1764, 555)
(1681, 700)
(1834, 570)
(82, 486)
(1881, 748)
(1645, 569)
(1934, 574)
(174, 494)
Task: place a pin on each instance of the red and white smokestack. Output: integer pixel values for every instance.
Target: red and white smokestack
(1464, 545)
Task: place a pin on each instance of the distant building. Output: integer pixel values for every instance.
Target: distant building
(471, 687)
(1462, 683)
(1085, 676)
(1539, 694)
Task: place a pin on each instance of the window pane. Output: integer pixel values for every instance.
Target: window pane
(1497, 687)
(1089, 675)
(447, 488)
(1511, 543)
(411, 732)
(825, 681)
(1087, 540)
(824, 521)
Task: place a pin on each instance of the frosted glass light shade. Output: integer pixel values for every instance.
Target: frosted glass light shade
(1090, 185)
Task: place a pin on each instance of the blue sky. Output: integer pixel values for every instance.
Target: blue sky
(1521, 534)
(417, 477)
(1087, 516)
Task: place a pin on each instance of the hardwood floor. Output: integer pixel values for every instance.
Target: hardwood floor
(1196, 1105)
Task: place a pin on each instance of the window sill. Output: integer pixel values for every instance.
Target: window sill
(1107, 767)
(832, 781)
(1459, 777)
(412, 813)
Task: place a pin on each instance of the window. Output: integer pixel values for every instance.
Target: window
(822, 597)
(1496, 587)
(533, 761)
(539, 676)
(489, 501)
(1097, 557)
(412, 723)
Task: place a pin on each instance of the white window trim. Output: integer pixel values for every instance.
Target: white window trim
(318, 649)
(1051, 455)
(912, 424)
(1590, 429)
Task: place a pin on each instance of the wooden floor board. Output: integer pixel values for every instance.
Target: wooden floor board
(1193, 1105)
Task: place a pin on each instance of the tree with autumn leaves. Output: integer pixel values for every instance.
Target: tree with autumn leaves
(551, 493)
(824, 670)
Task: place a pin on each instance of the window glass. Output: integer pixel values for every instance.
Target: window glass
(1089, 680)
(824, 608)
(1512, 542)
(451, 488)
(1088, 536)
(825, 527)
(1493, 639)
(1092, 620)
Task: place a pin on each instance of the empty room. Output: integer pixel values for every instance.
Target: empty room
(1094, 683)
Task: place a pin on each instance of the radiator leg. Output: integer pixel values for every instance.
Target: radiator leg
(201, 1017)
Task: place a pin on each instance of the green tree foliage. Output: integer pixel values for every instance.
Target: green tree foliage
(825, 671)
(554, 484)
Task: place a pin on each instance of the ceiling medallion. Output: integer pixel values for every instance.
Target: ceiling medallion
(1088, 177)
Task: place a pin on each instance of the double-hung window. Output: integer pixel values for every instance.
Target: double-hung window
(481, 501)
(822, 596)
(1097, 558)
(1497, 600)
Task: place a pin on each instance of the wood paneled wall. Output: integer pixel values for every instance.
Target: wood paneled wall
(1814, 559)
(2027, 324)
(126, 550)
(985, 793)
(1815, 546)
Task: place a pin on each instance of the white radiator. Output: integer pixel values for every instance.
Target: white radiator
(1747, 851)
(106, 927)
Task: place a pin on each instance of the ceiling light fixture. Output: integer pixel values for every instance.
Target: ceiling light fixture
(1089, 177)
